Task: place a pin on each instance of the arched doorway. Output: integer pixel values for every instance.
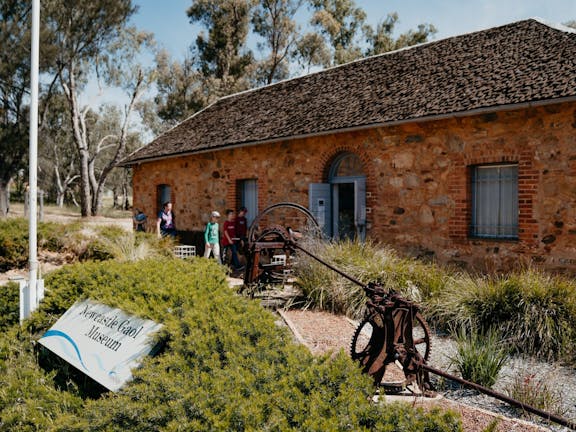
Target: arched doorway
(340, 204)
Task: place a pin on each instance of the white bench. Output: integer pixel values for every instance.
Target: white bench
(185, 251)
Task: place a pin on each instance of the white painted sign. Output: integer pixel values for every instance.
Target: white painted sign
(103, 342)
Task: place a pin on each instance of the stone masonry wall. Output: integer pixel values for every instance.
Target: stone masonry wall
(418, 183)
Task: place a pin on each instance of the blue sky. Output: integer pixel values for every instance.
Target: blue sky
(167, 18)
(168, 21)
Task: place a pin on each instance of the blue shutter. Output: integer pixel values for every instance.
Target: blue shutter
(319, 204)
(360, 210)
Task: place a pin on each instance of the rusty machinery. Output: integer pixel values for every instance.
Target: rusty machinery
(393, 330)
(275, 240)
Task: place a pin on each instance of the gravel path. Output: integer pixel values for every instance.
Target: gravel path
(560, 380)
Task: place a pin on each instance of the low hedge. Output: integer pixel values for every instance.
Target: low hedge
(225, 365)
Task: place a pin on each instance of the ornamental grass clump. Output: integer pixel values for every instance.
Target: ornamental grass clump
(366, 262)
(534, 390)
(480, 357)
(130, 246)
(535, 311)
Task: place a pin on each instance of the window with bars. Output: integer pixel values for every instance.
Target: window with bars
(495, 201)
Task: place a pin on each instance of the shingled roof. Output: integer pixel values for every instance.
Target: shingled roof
(519, 63)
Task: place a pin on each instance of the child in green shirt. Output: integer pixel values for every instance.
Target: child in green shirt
(212, 237)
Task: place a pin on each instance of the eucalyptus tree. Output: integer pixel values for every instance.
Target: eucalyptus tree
(218, 63)
(274, 21)
(348, 37)
(381, 39)
(340, 22)
(94, 40)
(222, 54)
(14, 84)
(57, 162)
(179, 92)
(134, 79)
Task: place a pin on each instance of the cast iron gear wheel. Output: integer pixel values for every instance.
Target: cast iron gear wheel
(367, 342)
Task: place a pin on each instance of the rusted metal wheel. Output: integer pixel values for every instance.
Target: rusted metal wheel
(274, 233)
(267, 216)
(369, 343)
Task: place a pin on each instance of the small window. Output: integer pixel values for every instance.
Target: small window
(495, 201)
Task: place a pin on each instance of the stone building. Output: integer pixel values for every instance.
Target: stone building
(462, 150)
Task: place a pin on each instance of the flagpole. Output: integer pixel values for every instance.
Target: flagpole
(33, 156)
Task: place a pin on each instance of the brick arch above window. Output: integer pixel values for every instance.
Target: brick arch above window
(329, 159)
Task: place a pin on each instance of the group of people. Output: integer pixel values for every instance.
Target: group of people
(234, 236)
(234, 231)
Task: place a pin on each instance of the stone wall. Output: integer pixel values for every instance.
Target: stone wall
(418, 183)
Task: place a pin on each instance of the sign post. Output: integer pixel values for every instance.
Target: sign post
(31, 297)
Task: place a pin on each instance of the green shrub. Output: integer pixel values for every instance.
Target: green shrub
(480, 357)
(13, 244)
(9, 305)
(225, 364)
(14, 247)
(78, 241)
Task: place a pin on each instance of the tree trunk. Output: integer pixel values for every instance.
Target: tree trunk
(4, 202)
(115, 197)
(125, 195)
(97, 201)
(80, 139)
(60, 198)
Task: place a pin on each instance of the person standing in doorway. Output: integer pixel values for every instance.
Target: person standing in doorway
(212, 237)
(165, 224)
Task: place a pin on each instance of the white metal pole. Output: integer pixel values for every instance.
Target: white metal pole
(33, 170)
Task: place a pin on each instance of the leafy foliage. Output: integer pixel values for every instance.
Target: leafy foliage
(14, 82)
(480, 357)
(225, 364)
